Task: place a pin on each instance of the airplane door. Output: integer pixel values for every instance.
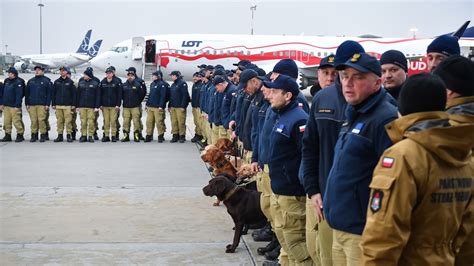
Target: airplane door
(304, 55)
(138, 48)
(162, 48)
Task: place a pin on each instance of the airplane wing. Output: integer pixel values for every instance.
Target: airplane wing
(43, 62)
(82, 57)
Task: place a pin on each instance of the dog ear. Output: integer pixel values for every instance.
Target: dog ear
(217, 154)
(218, 187)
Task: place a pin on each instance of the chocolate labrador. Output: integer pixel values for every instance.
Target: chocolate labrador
(242, 204)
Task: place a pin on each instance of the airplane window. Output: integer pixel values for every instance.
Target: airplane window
(215, 52)
(236, 53)
(293, 53)
(287, 53)
(319, 54)
(208, 52)
(312, 54)
(281, 53)
(248, 52)
(228, 52)
(261, 53)
(195, 52)
(305, 53)
(274, 53)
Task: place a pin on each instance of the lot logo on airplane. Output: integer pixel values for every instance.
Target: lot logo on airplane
(191, 43)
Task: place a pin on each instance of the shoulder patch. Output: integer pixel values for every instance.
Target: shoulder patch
(302, 128)
(387, 162)
(280, 128)
(376, 201)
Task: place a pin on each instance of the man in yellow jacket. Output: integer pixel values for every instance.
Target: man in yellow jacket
(422, 186)
(457, 72)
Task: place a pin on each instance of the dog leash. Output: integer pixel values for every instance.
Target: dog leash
(244, 184)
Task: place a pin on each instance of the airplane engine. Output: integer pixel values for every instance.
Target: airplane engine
(21, 66)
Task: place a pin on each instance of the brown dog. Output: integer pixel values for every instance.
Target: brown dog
(243, 205)
(226, 145)
(216, 158)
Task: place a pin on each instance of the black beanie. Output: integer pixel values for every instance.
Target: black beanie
(422, 93)
(394, 57)
(457, 72)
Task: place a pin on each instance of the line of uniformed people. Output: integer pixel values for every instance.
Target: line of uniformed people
(87, 98)
(325, 203)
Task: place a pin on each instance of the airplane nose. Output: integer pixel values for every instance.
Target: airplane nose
(100, 61)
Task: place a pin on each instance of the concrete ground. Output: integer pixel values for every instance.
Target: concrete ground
(111, 204)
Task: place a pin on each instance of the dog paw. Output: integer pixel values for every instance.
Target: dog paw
(215, 204)
(229, 249)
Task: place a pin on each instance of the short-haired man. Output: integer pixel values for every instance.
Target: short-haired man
(361, 142)
(394, 71)
(440, 48)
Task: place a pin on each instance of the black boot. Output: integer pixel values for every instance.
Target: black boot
(265, 235)
(7, 138)
(196, 138)
(114, 139)
(259, 231)
(273, 255)
(105, 139)
(271, 246)
(69, 138)
(96, 137)
(148, 138)
(140, 136)
(90, 139)
(175, 138)
(42, 137)
(83, 139)
(161, 138)
(126, 137)
(136, 136)
(270, 263)
(182, 139)
(73, 135)
(59, 138)
(19, 138)
(34, 137)
(46, 135)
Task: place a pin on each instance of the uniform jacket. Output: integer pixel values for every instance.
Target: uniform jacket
(203, 97)
(210, 98)
(361, 142)
(320, 137)
(179, 95)
(421, 193)
(258, 120)
(13, 91)
(217, 114)
(245, 133)
(64, 92)
(132, 94)
(229, 93)
(285, 150)
(269, 120)
(111, 92)
(88, 93)
(38, 91)
(159, 94)
(195, 93)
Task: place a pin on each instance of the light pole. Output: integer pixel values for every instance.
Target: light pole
(41, 5)
(252, 8)
(414, 30)
(6, 48)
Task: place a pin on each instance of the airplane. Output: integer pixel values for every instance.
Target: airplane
(53, 61)
(185, 52)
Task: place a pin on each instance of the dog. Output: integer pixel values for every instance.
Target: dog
(218, 161)
(227, 146)
(242, 205)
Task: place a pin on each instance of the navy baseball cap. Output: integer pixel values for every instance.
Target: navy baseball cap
(242, 63)
(327, 61)
(175, 73)
(202, 66)
(64, 68)
(131, 69)
(247, 75)
(109, 70)
(284, 82)
(38, 66)
(157, 73)
(218, 79)
(362, 62)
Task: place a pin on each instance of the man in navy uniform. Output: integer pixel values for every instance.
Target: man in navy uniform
(38, 94)
(10, 104)
(156, 106)
(179, 100)
(111, 99)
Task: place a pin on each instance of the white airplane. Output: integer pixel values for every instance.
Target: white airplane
(185, 52)
(51, 61)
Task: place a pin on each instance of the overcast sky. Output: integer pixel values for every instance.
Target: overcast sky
(65, 22)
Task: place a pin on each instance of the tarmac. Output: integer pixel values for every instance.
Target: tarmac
(111, 204)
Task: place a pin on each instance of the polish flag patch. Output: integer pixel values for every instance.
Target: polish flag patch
(387, 162)
(302, 128)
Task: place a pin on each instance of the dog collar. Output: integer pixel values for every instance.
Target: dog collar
(230, 193)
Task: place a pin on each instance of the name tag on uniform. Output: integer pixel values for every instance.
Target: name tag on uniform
(358, 127)
(280, 128)
(326, 111)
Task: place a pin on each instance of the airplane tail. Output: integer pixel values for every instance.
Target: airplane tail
(458, 34)
(83, 48)
(94, 50)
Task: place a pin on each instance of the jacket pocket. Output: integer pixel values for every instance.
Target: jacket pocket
(381, 186)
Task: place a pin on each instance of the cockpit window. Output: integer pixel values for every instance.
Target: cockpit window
(119, 49)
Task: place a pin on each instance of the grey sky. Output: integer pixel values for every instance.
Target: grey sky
(65, 22)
